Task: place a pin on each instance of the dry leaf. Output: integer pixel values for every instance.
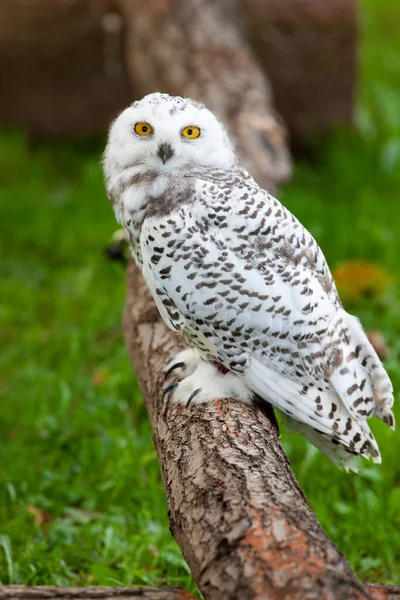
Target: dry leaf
(39, 516)
(100, 377)
(356, 280)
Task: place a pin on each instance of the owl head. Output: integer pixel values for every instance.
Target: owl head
(166, 133)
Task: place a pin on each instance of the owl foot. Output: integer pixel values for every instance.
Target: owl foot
(182, 364)
(204, 383)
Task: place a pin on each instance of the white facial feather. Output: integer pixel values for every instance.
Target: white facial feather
(167, 116)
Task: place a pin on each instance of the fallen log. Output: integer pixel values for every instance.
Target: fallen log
(383, 592)
(66, 58)
(51, 592)
(48, 592)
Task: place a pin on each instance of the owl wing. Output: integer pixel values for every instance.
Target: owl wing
(247, 283)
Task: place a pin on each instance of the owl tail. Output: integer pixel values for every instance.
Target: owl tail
(370, 363)
(322, 416)
(339, 455)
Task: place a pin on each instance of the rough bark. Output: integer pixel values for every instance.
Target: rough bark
(49, 592)
(235, 508)
(201, 53)
(383, 592)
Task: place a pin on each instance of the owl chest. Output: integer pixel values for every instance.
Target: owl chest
(161, 241)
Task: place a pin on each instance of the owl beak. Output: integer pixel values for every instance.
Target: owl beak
(165, 152)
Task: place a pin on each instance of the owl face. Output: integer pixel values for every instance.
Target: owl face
(166, 133)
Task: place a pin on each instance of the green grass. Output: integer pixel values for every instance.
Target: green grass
(75, 441)
(75, 445)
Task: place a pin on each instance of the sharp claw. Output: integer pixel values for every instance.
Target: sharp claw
(192, 395)
(177, 365)
(169, 388)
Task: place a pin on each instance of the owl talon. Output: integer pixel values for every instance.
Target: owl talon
(168, 389)
(192, 395)
(178, 365)
(182, 364)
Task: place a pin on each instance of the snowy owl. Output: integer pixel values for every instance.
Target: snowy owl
(242, 280)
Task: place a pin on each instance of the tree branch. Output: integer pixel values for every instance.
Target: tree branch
(50, 592)
(383, 592)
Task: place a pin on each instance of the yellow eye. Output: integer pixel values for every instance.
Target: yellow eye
(192, 132)
(143, 129)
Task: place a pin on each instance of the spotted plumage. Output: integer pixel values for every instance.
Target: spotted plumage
(235, 273)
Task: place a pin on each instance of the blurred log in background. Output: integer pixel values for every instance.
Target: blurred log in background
(64, 70)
